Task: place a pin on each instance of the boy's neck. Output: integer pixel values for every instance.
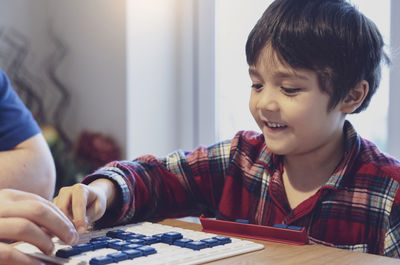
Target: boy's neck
(304, 174)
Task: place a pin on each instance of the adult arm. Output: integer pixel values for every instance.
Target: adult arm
(25, 160)
(29, 166)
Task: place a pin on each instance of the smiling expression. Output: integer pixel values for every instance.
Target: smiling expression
(290, 108)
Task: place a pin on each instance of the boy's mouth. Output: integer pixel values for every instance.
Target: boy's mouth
(275, 126)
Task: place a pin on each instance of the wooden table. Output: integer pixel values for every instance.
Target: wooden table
(276, 253)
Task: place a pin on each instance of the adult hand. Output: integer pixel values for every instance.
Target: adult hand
(30, 218)
(84, 204)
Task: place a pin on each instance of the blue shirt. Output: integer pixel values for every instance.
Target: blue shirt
(16, 121)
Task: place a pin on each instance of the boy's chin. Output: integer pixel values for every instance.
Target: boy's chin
(277, 150)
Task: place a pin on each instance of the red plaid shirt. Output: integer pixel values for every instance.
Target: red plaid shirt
(358, 208)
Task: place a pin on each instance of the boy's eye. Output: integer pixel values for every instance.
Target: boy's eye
(256, 86)
(290, 91)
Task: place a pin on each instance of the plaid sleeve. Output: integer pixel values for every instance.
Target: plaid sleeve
(392, 237)
(116, 175)
(180, 184)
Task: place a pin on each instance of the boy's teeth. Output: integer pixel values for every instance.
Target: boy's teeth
(275, 125)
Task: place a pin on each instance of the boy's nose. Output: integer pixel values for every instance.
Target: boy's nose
(267, 101)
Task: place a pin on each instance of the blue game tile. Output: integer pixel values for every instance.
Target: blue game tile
(118, 245)
(124, 235)
(296, 228)
(280, 226)
(118, 256)
(136, 241)
(101, 260)
(83, 247)
(100, 238)
(170, 237)
(196, 245)
(136, 236)
(211, 242)
(133, 253)
(114, 233)
(146, 250)
(131, 246)
(223, 239)
(242, 221)
(148, 240)
(67, 252)
(158, 236)
(99, 244)
(112, 241)
(182, 242)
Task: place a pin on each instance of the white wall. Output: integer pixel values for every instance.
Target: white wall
(233, 26)
(94, 69)
(22, 24)
(152, 76)
(170, 75)
(130, 67)
(394, 106)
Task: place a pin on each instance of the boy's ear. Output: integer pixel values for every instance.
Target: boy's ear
(355, 97)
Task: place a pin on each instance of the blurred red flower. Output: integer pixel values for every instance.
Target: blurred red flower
(96, 149)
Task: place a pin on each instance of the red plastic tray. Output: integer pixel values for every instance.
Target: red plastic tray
(260, 232)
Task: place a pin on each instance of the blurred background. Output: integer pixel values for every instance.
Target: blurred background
(117, 79)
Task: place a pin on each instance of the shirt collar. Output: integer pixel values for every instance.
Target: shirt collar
(270, 160)
(352, 143)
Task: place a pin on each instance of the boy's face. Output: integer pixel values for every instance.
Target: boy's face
(290, 108)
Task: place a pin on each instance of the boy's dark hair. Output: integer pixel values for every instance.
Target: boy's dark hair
(330, 37)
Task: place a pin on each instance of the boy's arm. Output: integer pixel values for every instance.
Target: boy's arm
(181, 184)
(84, 204)
(29, 167)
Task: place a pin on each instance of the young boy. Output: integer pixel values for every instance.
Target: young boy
(311, 62)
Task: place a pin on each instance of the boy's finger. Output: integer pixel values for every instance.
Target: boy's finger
(79, 204)
(63, 203)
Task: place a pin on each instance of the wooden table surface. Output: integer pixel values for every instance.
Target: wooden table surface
(277, 253)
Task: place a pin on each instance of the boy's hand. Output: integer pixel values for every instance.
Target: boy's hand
(82, 204)
(30, 218)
